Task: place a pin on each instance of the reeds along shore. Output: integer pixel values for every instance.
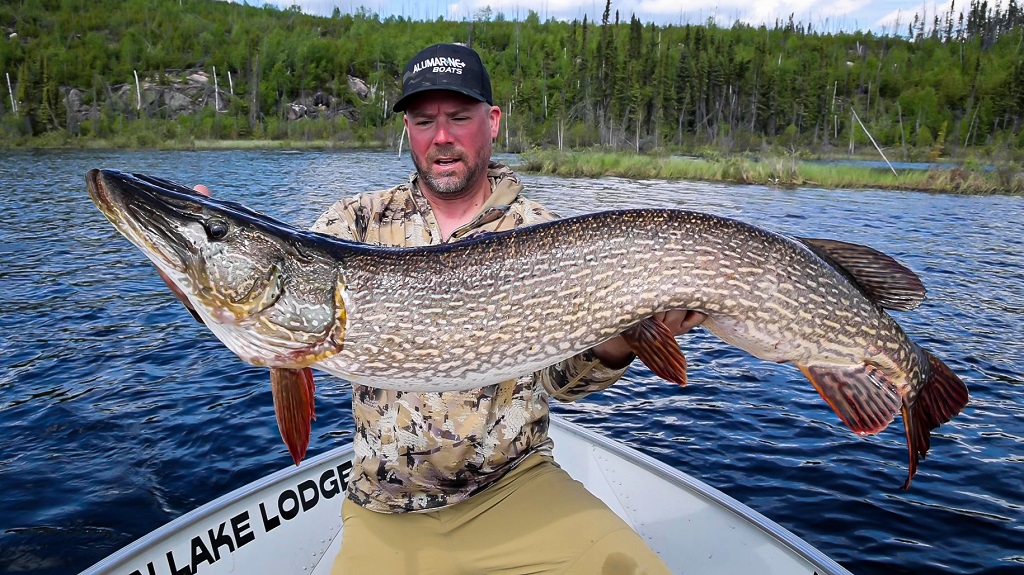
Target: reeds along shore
(776, 171)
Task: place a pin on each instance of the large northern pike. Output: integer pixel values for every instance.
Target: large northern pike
(481, 311)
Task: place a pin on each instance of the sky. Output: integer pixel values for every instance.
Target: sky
(880, 16)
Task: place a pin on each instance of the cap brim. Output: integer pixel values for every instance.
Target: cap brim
(404, 101)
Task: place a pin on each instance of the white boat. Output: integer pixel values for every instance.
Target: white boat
(289, 522)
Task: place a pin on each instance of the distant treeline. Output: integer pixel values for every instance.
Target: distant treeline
(948, 83)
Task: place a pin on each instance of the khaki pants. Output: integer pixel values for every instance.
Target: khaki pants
(537, 519)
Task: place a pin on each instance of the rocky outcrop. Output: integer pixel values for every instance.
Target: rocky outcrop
(321, 105)
(178, 93)
(181, 92)
(359, 88)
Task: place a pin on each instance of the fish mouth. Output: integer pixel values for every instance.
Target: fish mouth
(144, 217)
(97, 191)
(107, 196)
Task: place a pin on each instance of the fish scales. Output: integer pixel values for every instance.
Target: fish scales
(500, 306)
(445, 305)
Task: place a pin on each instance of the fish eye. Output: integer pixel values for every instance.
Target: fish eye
(216, 229)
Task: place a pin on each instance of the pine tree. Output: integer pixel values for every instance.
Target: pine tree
(685, 92)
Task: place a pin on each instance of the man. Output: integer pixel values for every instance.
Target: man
(464, 482)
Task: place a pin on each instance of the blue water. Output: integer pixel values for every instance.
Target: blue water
(897, 165)
(118, 412)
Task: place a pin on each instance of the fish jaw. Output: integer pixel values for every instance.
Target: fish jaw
(123, 210)
(245, 284)
(173, 233)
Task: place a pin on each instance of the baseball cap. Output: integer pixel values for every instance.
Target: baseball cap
(445, 67)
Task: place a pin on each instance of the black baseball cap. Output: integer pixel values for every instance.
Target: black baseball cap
(451, 67)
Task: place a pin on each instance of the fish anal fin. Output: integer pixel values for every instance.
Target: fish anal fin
(942, 396)
(884, 280)
(863, 398)
(652, 341)
(292, 390)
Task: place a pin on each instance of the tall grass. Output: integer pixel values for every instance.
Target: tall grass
(774, 171)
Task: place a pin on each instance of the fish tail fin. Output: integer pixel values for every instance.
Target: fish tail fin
(652, 341)
(292, 390)
(942, 396)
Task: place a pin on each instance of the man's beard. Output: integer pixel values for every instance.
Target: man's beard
(449, 185)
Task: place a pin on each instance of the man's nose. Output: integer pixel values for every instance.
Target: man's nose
(442, 133)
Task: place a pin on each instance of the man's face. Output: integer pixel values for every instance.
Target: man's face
(450, 138)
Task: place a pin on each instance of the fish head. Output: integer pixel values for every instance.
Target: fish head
(238, 268)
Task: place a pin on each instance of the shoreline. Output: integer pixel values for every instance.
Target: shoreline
(784, 171)
(43, 144)
(946, 175)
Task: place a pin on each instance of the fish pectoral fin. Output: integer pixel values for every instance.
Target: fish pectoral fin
(652, 341)
(942, 396)
(293, 405)
(862, 396)
(883, 280)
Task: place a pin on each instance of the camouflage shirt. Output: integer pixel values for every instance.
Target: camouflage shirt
(425, 451)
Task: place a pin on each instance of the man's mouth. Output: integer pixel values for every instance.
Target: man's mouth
(446, 162)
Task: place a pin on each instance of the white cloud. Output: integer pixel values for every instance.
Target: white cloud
(833, 15)
(898, 20)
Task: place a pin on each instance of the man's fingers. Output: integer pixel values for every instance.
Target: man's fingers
(692, 320)
(681, 321)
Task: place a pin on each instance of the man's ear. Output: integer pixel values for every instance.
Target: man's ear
(495, 117)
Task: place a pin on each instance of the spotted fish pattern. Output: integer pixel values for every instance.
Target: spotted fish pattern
(425, 451)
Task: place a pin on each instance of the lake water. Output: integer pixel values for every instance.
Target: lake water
(118, 412)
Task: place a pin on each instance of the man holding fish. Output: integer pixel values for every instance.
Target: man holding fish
(454, 347)
(567, 299)
(464, 481)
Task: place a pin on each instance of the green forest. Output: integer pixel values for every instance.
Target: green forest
(151, 72)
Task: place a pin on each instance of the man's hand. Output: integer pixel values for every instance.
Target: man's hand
(616, 354)
(174, 289)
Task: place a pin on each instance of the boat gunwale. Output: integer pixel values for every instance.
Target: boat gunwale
(211, 508)
(821, 561)
(798, 545)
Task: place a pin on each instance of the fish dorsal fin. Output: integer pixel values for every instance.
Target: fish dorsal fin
(884, 280)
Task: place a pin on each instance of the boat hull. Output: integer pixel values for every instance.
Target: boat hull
(289, 522)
